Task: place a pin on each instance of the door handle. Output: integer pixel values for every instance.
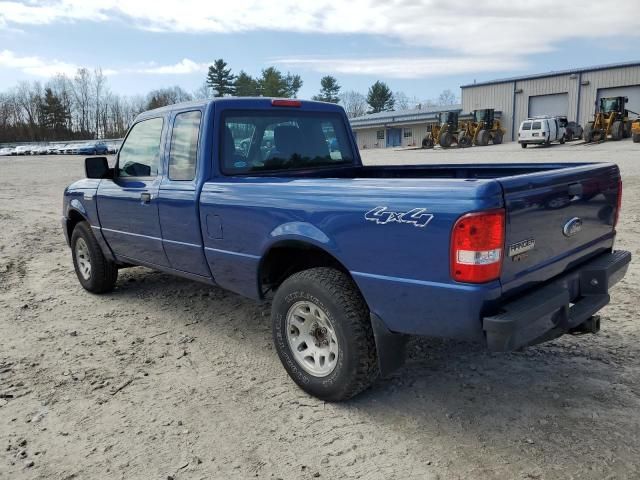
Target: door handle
(145, 197)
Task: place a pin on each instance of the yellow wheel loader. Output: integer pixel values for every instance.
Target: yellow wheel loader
(610, 121)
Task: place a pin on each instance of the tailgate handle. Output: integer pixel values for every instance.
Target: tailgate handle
(575, 189)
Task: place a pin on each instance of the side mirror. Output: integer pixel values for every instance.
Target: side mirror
(97, 167)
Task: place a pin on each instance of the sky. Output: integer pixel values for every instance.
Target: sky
(419, 47)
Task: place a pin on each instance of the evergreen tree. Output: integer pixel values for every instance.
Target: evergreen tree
(330, 90)
(380, 98)
(54, 115)
(246, 86)
(220, 79)
(274, 84)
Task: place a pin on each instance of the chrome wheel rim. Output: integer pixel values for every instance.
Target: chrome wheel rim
(312, 338)
(82, 258)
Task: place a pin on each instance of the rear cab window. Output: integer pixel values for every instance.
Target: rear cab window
(259, 141)
(183, 153)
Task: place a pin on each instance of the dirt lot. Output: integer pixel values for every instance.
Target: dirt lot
(165, 378)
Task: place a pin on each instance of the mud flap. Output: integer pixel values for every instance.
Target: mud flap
(391, 347)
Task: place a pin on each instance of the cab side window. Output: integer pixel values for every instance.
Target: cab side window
(184, 146)
(140, 153)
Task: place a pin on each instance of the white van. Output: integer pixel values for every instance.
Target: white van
(541, 131)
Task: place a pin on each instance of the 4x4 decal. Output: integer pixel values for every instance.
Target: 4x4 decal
(417, 217)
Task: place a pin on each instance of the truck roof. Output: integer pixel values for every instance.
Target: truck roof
(258, 102)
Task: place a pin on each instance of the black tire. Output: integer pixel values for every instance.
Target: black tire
(427, 141)
(445, 139)
(523, 145)
(562, 140)
(636, 138)
(103, 273)
(464, 141)
(587, 133)
(617, 130)
(482, 140)
(337, 296)
(497, 138)
(569, 135)
(626, 130)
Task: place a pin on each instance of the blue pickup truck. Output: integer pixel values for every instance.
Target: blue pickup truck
(268, 198)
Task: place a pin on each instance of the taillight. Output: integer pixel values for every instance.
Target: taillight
(477, 245)
(618, 204)
(285, 102)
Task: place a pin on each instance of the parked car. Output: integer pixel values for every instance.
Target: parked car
(53, 149)
(541, 131)
(92, 148)
(6, 151)
(573, 131)
(40, 149)
(113, 147)
(61, 148)
(23, 149)
(353, 258)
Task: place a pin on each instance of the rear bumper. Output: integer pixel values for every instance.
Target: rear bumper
(533, 141)
(559, 306)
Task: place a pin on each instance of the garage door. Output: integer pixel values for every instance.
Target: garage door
(552, 105)
(632, 92)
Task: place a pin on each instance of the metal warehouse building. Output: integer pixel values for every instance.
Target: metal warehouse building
(573, 93)
(404, 128)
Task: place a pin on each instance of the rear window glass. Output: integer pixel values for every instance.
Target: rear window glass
(259, 141)
(537, 125)
(526, 126)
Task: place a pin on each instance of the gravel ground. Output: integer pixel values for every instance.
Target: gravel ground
(165, 378)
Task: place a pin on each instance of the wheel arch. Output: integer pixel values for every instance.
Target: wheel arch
(287, 256)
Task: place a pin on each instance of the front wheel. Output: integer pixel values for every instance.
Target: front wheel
(323, 334)
(95, 272)
(636, 138)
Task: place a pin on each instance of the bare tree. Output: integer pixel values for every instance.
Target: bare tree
(354, 103)
(82, 96)
(447, 97)
(98, 84)
(402, 101)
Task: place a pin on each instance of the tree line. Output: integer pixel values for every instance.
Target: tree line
(83, 106)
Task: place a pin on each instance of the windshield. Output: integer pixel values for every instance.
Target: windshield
(609, 105)
(254, 141)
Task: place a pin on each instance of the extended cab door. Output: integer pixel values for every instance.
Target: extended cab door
(128, 204)
(178, 197)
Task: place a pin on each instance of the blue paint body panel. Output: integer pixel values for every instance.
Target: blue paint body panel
(219, 228)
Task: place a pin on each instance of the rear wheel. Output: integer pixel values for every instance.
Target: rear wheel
(617, 130)
(523, 145)
(482, 140)
(464, 141)
(94, 271)
(323, 334)
(445, 139)
(497, 138)
(636, 138)
(587, 133)
(427, 142)
(627, 129)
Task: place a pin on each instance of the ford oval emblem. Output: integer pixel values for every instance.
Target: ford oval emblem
(572, 227)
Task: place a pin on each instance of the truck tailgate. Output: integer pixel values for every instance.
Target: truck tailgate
(557, 219)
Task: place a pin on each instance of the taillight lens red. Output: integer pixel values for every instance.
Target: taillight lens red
(285, 102)
(477, 247)
(619, 204)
